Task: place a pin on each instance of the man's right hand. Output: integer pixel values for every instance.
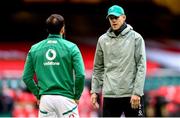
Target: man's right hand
(94, 101)
(76, 101)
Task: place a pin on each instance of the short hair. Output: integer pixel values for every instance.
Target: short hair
(54, 23)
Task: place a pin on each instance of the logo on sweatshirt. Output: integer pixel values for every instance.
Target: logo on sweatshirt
(50, 56)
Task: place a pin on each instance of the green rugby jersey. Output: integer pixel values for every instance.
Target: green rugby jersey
(58, 66)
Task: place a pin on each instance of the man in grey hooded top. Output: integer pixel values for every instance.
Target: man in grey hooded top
(119, 68)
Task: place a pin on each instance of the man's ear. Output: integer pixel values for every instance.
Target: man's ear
(124, 16)
(62, 31)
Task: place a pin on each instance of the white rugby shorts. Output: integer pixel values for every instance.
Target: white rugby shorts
(57, 106)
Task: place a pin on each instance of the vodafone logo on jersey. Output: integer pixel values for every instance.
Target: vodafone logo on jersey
(50, 56)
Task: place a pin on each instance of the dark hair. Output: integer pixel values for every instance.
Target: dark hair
(54, 23)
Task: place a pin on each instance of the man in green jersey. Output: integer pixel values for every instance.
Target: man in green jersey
(59, 69)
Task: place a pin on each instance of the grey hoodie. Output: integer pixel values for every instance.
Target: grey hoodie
(119, 64)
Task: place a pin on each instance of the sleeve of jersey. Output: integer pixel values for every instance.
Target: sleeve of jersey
(78, 65)
(28, 75)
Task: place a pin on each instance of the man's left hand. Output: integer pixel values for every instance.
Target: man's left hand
(135, 101)
(38, 102)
